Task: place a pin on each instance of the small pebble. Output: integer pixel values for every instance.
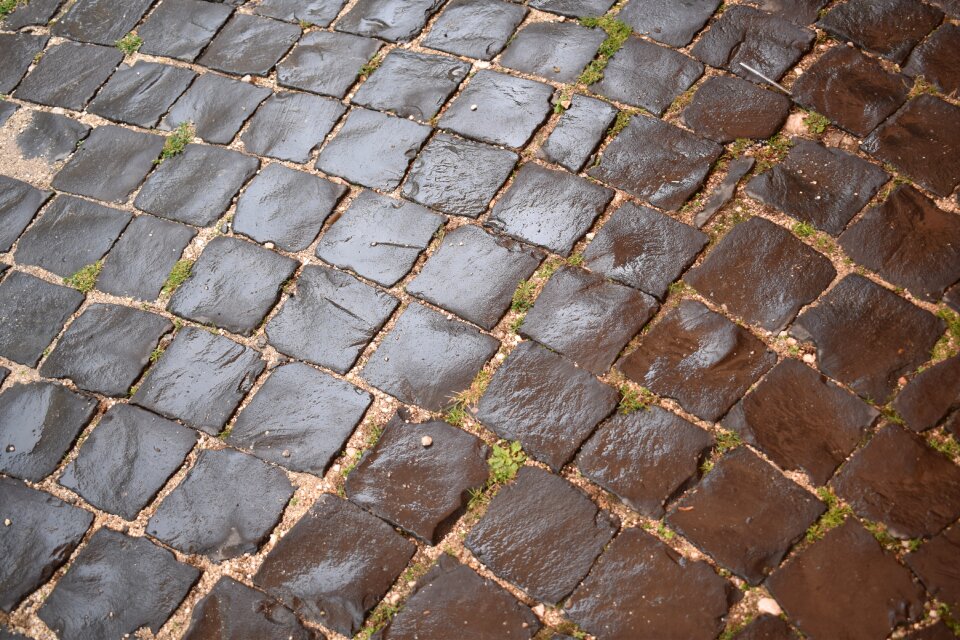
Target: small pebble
(539, 610)
(809, 358)
(7, 522)
(286, 453)
(769, 605)
(269, 245)
(473, 107)
(426, 441)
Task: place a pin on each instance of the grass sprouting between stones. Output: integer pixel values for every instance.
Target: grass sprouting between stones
(457, 414)
(816, 123)
(371, 65)
(803, 230)
(523, 296)
(727, 440)
(633, 400)
(129, 44)
(178, 275)
(617, 33)
(949, 343)
(832, 518)
(773, 152)
(85, 279)
(8, 6)
(505, 462)
(176, 142)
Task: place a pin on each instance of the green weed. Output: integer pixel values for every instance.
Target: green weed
(85, 279)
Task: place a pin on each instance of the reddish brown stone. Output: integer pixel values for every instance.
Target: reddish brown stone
(890, 28)
(726, 108)
(935, 563)
(930, 396)
(767, 627)
(936, 59)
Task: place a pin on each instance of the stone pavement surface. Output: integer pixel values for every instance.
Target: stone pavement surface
(438, 319)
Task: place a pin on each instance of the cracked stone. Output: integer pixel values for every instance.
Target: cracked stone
(558, 51)
(217, 107)
(411, 84)
(140, 94)
(69, 74)
(181, 29)
(19, 203)
(100, 21)
(319, 13)
(475, 28)
(32, 313)
(930, 396)
(672, 22)
(34, 13)
(889, 28)
(935, 565)
(935, 61)
(290, 126)
(725, 108)
(326, 62)
(17, 51)
(545, 402)
(578, 132)
(250, 45)
(391, 20)
(50, 136)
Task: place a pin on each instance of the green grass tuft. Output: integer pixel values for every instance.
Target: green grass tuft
(176, 142)
(831, 519)
(129, 44)
(617, 34)
(85, 279)
(7, 6)
(803, 230)
(632, 400)
(179, 274)
(505, 462)
(816, 123)
(523, 296)
(727, 440)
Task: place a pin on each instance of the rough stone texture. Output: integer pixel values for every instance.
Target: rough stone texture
(107, 348)
(935, 61)
(140, 94)
(725, 108)
(335, 564)
(645, 458)
(930, 396)
(286, 206)
(378, 238)
(233, 285)
(316, 12)
(934, 563)
(217, 107)
(725, 191)
(699, 358)
(557, 51)
(819, 185)
(867, 336)
(802, 12)
(938, 631)
(100, 21)
(36, 12)
(641, 586)
(846, 586)
(458, 176)
(50, 136)
(111, 164)
(872, 482)
(19, 203)
(427, 359)
(574, 8)
(68, 75)
(474, 274)
(422, 490)
(17, 51)
(647, 75)
(249, 45)
(32, 313)
(530, 524)
(300, 418)
(548, 208)
(411, 84)
(672, 22)
(745, 514)
(330, 318)
(656, 162)
(290, 126)
(801, 420)
(42, 533)
(182, 28)
(393, 20)
(326, 62)
(578, 132)
(889, 28)
(852, 89)
(7, 109)
(545, 402)
(916, 142)
(197, 185)
(452, 596)
(762, 273)
(475, 28)
(587, 318)
(116, 585)
(199, 516)
(499, 109)
(200, 379)
(767, 627)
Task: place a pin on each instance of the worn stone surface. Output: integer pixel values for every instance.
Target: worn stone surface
(475, 28)
(645, 458)
(290, 126)
(378, 238)
(846, 585)
(889, 28)
(7, 109)
(933, 59)
(393, 20)
(587, 318)
(300, 418)
(50, 136)
(578, 132)
(286, 206)
(725, 191)
(200, 379)
(335, 564)
(726, 108)
(116, 585)
(801, 420)
(802, 12)
(930, 396)
(182, 28)
(42, 533)
(411, 84)
(249, 45)
(458, 176)
(474, 274)
(545, 402)
(140, 94)
(557, 51)
(427, 359)
(936, 568)
(19, 203)
(327, 63)
(330, 318)
(867, 336)
(767, 627)
(127, 459)
(217, 107)
(100, 21)
(641, 586)
(525, 528)
(36, 12)
(574, 8)
(32, 313)
(315, 12)
(420, 489)
(938, 631)
(819, 185)
(672, 22)
(17, 51)
(68, 75)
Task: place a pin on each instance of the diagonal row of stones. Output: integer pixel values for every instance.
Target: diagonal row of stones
(371, 329)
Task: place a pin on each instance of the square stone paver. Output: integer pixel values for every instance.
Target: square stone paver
(373, 149)
(32, 313)
(69, 74)
(820, 185)
(930, 395)
(127, 459)
(644, 249)
(427, 359)
(115, 586)
(300, 418)
(656, 162)
(411, 84)
(182, 28)
(330, 318)
(50, 136)
(319, 13)
(475, 28)
(934, 59)
(216, 106)
(195, 517)
(698, 357)
(286, 206)
(578, 132)
(867, 336)
(557, 51)
(378, 238)
(335, 564)
(17, 51)
(532, 520)
(672, 22)
(234, 610)
(249, 45)
(641, 586)
(141, 93)
(933, 564)
(545, 402)
(326, 62)
(745, 514)
(392, 20)
(547, 208)
(889, 28)
(474, 274)
(727, 108)
(200, 379)
(107, 348)
(100, 21)
(233, 284)
(802, 420)
(422, 490)
(499, 109)
(290, 126)
(19, 204)
(42, 533)
(587, 318)
(645, 458)
(762, 273)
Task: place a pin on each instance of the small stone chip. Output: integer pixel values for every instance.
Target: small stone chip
(426, 441)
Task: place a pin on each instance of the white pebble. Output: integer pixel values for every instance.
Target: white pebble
(769, 605)
(473, 107)
(809, 358)
(426, 441)
(6, 522)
